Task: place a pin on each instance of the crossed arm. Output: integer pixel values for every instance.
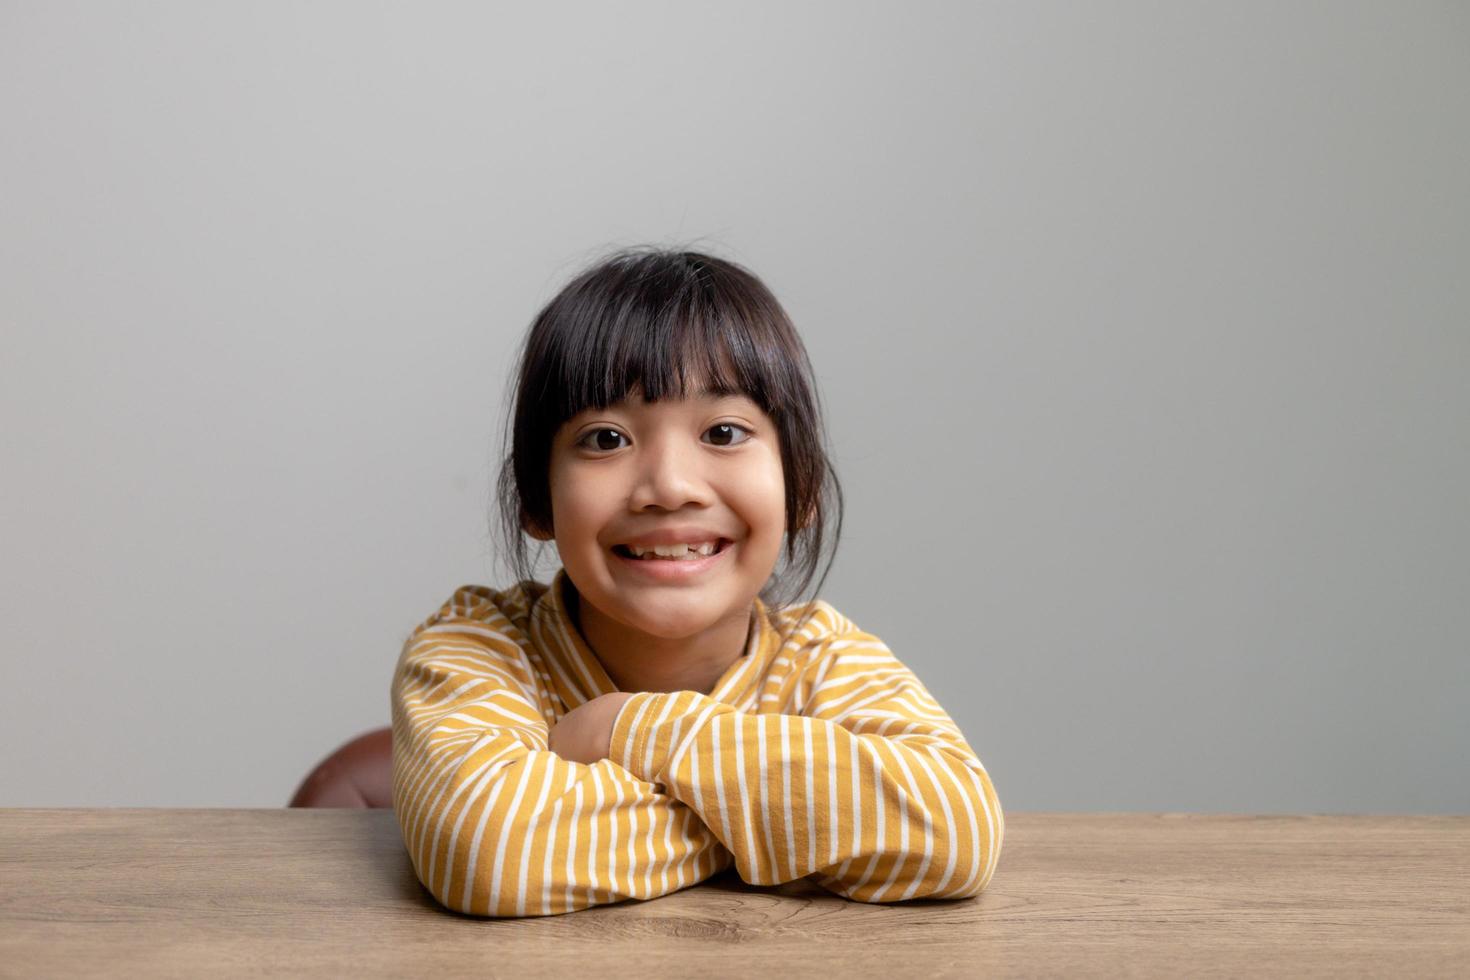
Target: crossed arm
(887, 801)
(869, 788)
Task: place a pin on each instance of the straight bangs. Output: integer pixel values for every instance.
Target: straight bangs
(659, 333)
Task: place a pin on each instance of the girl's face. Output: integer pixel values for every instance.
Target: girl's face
(707, 467)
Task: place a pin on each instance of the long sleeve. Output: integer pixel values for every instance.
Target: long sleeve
(495, 823)
(870, 787)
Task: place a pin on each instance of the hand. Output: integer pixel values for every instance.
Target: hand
(582, 735)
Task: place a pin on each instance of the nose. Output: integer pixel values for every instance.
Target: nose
(670, 476)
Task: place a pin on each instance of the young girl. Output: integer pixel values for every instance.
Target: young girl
(656, 713)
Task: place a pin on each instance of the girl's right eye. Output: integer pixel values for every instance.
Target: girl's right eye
(598, 432)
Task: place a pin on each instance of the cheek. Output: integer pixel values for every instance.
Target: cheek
(762, 501)
(576, 510)
(566, 512)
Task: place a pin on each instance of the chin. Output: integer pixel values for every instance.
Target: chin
(673, 619)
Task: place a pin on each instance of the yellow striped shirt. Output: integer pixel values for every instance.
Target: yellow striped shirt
(824, 756)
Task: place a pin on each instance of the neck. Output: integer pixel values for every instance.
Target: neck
(637, 661)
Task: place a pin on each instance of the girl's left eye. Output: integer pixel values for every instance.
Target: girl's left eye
(726, 430)
(732, 427)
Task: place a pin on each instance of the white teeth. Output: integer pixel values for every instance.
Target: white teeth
(676, 550)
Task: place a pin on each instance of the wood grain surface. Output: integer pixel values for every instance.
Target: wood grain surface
(189, 893)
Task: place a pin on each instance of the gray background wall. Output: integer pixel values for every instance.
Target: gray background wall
(1142, 329)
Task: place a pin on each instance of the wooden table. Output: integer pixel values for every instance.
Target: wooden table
(190, 893)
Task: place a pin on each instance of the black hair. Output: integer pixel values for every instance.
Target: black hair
(657, 319)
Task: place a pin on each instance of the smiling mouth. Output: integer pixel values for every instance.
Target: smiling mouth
(624, 551)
